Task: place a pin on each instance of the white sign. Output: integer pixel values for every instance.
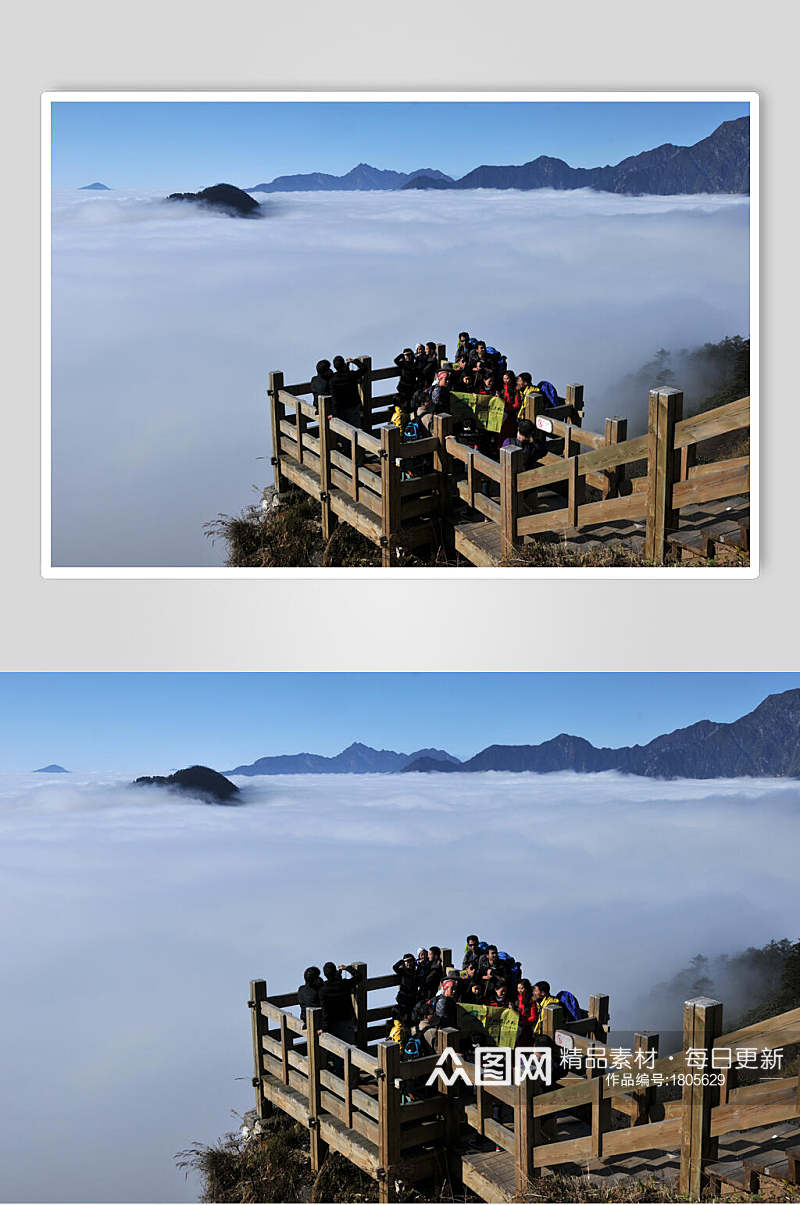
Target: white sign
(544, 424)
(565, 1039)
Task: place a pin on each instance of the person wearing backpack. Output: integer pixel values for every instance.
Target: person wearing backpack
(400, 1031)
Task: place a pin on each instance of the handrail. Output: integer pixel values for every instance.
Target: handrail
(730, 417)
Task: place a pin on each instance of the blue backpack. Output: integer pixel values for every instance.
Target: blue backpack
(512, 969)
(414, 429)
(570, 1005)
(550, 392)
(413, 1049)
(497, 358)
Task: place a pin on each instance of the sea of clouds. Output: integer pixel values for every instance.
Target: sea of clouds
(167, 320)
(134, 919)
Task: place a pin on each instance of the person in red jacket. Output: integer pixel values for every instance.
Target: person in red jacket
(528, 1011)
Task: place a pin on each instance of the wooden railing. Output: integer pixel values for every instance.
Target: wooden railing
(399, 493)
(364, 1100)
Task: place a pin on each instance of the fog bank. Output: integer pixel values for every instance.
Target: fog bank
(167, 320)
(134, 920)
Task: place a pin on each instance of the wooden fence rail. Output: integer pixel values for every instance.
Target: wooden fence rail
(367, 1102)
(400, 494)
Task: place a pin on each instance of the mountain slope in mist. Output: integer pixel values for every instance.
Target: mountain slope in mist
(717, 164)
(765, 743)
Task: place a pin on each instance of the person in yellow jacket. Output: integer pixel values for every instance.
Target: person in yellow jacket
(527, 393)
(400, 1031)
(542, 997)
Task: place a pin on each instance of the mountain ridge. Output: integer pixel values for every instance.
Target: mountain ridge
(718, 163)
(765, 742)
(355, 759)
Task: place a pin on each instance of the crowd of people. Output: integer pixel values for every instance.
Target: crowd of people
(425, 387)
(429, 993)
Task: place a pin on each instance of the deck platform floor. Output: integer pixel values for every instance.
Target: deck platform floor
(490, 1174)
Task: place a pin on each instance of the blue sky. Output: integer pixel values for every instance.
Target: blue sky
(153, 722)
(180, 144)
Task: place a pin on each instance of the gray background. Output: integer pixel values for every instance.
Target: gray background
(357, 624)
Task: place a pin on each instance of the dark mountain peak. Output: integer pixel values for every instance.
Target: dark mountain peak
(225, 197)
(96, 187)
(52, 769)
(428, 765)
(200, 781)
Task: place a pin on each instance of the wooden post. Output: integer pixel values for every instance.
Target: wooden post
(616, 433)
(348, 1087)
(258, 993)
(644, 1097)
(441, 353)
(552, 1020)
(574, 398)
(286, 1044)
(319, 1149)
(702, 1023)
(666, 408)
(442, 427)
(524, 1129)
(277, 411)
(598, 1009)
(360, 1003)
(509, 500)
(365, 389)
(576, 490)
(471, 478)
(601, 1114)
(356, 459)
(299, 426)
(447, 958)
(535, 404)
(445, 1038)
(390, 490)
(328, 517)
(388, 1117)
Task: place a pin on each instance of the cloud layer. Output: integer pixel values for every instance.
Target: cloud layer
(133, 921)
(167, 321)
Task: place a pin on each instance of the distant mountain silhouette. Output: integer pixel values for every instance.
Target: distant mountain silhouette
(763, 743)
(222, 196)
(97, 186)
(362, 178)
(356, 759)
(719, 163)
(199, 781)
(54, 769)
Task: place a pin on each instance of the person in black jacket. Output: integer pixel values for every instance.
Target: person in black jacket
(406, 970)
(428, 365)
(308, 992)
(435, 974)
(321, 382)
(407, 381)
(336, 1002)
(343, 384)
